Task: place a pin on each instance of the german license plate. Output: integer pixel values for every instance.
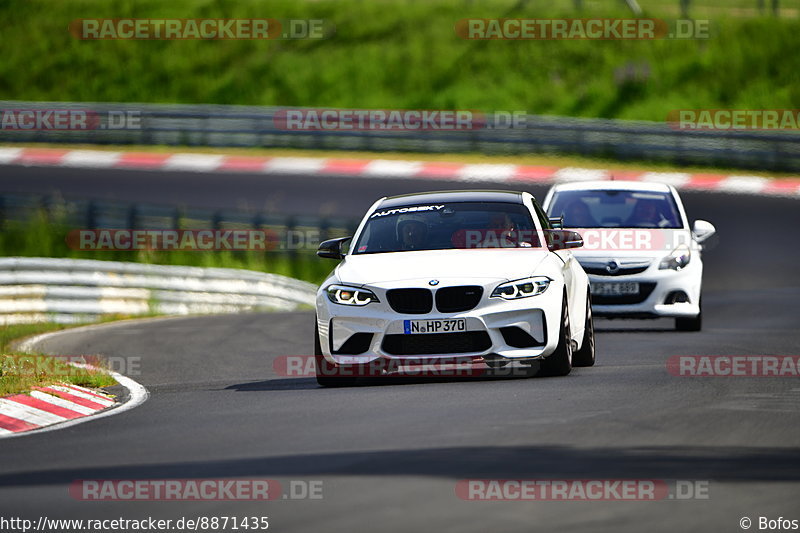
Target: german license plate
(434, 325)
(615, 289)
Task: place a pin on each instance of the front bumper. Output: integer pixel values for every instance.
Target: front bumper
(658, 289)
(338, 324)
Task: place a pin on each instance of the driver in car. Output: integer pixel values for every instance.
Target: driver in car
(502, 228)
(646, 214)
(412, 231)
(577, 215)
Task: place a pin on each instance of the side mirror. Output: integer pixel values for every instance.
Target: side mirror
(332, 248)
(561, 239)
(702, 230)
(556, 222)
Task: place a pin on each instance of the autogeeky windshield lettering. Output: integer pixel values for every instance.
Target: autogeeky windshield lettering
(402, 210)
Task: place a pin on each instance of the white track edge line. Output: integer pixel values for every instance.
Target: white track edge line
(138, 394)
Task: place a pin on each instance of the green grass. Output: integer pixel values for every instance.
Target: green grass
(41, 236)
(405, 54)
(9, 334)
(20, 372)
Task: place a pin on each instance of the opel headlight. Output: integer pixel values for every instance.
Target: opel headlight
(676, 260)
(521, 288)
(344, 295)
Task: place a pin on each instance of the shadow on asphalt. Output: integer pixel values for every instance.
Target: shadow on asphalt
(632, 330)
(497, 462)
(632, 325)
(280, 384)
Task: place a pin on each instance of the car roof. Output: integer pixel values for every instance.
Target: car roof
(613, 186)
(435, 197)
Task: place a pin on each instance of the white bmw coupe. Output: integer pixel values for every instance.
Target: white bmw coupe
(466, 274)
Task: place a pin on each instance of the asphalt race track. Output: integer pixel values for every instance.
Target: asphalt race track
(389, 453)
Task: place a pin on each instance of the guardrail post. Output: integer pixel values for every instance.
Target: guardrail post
(44, 206)
(290, 225)
(91, 215)
(685, 9)
(132, 218)
(324, 229)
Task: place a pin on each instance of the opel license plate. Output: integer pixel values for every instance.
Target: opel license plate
(615, 289)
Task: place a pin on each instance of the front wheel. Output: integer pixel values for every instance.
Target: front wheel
(559, 363)
(694, 323)
(585, 356)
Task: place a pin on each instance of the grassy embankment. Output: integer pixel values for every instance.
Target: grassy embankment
(405, 54)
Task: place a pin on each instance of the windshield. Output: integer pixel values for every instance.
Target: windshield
(616, 209)
(447, 226)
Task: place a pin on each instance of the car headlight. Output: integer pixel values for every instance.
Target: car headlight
(342, 294)
(676, 260)
(521, 288)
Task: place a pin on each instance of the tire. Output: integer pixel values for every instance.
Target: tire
(559, 363)
(325, 371)
(585, 356)
(694, 323)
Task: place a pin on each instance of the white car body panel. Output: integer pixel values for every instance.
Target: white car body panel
(488, 267)
(688, 279)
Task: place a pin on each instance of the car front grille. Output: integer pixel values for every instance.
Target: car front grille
(410, 301)
(626, 299)
(626, 266)
(437, 343)
(623, 271)
(456, 299)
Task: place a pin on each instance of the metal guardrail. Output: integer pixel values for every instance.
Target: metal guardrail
(36, 289)
(288, 230)
(216, 125)
(71, 290)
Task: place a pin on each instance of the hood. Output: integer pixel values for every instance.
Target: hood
(630, 243)
(497, 264)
